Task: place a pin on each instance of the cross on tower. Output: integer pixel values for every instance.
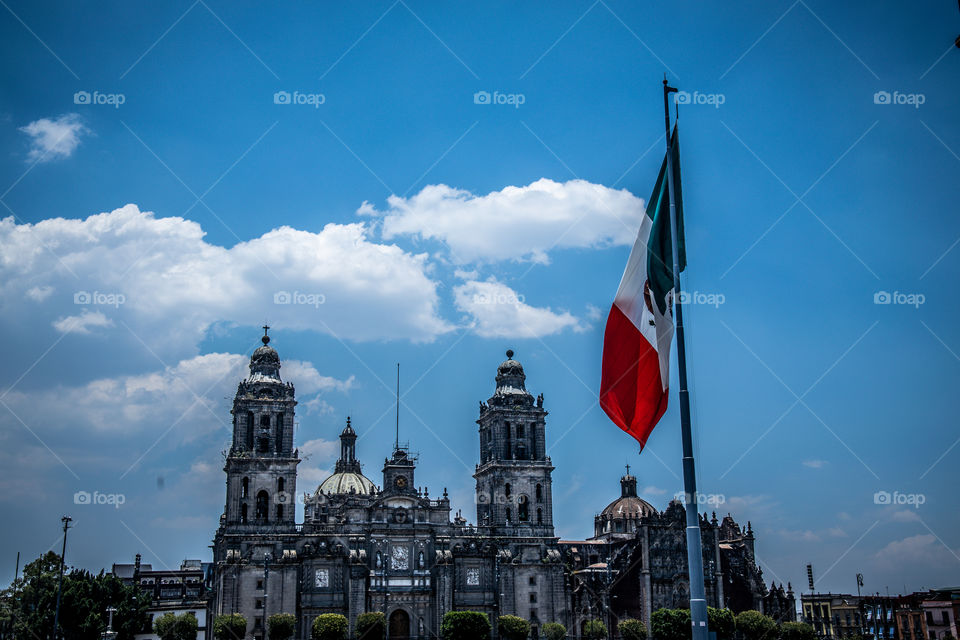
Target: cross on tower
(628, 468)
(265, 339)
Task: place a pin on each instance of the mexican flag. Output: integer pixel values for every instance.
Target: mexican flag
(636, 343)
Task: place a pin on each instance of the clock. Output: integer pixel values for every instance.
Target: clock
(400, 482)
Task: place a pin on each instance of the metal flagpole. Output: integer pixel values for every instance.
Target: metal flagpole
(698, 601)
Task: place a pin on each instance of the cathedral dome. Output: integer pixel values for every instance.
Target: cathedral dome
(348, 482)
(265, 362)
(627, 507)
(511, 383)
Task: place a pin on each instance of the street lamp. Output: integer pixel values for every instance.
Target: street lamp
(109, 634)
(66, 520)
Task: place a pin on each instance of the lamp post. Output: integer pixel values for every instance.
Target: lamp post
(66, 520)
(110, 634)
(266, 575)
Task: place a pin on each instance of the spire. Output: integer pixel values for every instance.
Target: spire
(348, 457)
(265, 362)
(628, 485)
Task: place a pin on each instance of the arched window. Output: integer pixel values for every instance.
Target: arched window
(249, 438)
(244, 487)
(279, 513)
(263, 506)
(508, 515)
(279, 432)
(506, 490)
(539, 515)
(243, 513)
(523, 509)
(539, 493)
(280, 484)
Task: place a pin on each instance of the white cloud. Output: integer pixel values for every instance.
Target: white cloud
(497, 311)
(318, 456)
(919, 551)
(54, 139)
(82, 323)
(175, 285)
(905, 515)
(814, 464)
(515, 223)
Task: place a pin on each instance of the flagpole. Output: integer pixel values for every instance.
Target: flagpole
(698, 601)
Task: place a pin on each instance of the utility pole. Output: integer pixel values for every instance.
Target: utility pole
(66, 520)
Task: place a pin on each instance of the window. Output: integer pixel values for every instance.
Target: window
(243, 514)
(263, 506)
(539, 515)
(249, 442)
(259, 585)
(265, 420)
(929, 617)
(523, 509)
(280, 484)
(946, 617)
(539, 493)
(519, 431)
(508, 515)
(533, 597)
(279, 512)
(506, 490)
(244, 487)
(259, 604)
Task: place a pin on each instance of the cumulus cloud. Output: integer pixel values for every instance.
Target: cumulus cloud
(172, 285)
(922, 550)
(497, 311)
(516, 223)
(54, 139)
(82, 323)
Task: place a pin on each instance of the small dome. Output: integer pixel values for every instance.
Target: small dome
(628, 506)
(348, 482)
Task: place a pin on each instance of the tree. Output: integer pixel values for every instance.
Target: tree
(513, 627)
(371, 626)
(229, 626)
(281, 626)
(753, 625)
(554, 631)
(799, 631)
(170, 626)
(330, 626)
(721, 622)
(594, 630)
(671, 624)
(632, 629)
(29, 603)
(465, 625)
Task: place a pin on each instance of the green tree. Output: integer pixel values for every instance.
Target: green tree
(28, 605)
(632, 629)
(330, 626)
(753, 625)
(721, 622)
(281, 626)
(513, 627)
(170, 626)
(554, 631)
(799, 631)
(229, 626)
(594, 630)
(671, 624)
(465, 625)
(371, 626)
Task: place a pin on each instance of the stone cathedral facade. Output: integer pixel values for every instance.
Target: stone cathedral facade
(394, 548)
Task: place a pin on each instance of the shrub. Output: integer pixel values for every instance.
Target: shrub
(671, 624)
(231, 626)
(799, 631)
(371, 626)
(632, 629)
(753, 625)
(721, 622)
(176, 627)
(465, 625)
(554, 631)
(281, 626)
(329, 626)
(513, 627)
(594, 630)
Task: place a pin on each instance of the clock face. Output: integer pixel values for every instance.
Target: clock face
(400, 482)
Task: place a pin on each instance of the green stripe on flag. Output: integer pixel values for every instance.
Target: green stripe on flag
(659, 245)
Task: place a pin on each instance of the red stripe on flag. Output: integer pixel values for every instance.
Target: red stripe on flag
(631, 391)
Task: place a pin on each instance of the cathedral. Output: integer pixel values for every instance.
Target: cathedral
(395, 549)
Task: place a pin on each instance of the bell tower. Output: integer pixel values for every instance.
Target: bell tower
(514, 485)
(262, 464)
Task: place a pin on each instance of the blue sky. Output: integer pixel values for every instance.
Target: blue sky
(820, 155)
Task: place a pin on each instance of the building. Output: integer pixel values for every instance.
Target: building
(177, 591)
(636, 563)
(392, 547)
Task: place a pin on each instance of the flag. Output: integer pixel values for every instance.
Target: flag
(636, 342)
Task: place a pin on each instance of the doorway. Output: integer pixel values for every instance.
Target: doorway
(399, 625)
